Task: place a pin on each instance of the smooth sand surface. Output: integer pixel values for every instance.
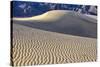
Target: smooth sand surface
(33, 47)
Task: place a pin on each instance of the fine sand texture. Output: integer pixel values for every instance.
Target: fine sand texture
(38, 44)
(34, 47)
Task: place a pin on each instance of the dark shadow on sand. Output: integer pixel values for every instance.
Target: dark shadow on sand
(78, 29)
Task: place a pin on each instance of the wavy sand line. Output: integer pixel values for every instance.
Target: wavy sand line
(33, 47)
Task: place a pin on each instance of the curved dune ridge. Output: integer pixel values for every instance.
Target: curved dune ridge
(63, 21)
(34, 47)
(48, 16)
(56, 15)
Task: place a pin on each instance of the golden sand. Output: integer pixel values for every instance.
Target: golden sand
(35, 47)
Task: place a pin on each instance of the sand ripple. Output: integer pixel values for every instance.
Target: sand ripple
(34, 47)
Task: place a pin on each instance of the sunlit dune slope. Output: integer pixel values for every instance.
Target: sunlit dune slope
(56, 15)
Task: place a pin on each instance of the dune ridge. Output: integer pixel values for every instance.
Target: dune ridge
(56, 15)
(63, 21)
(35, 47)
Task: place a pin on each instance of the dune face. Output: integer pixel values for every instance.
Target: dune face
(55, 37)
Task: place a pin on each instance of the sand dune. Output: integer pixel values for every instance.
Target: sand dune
(33, 47)
(56, 15)
(62, 21)
(48, 16)
(54, 37)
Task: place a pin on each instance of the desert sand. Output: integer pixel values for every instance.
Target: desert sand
(36, 46)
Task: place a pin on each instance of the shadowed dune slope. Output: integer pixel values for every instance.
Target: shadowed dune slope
(67, 22)
(33, 47)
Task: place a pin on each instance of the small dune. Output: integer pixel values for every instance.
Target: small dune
(36, 47)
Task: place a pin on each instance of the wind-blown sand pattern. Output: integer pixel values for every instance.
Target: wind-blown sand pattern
(33, 46)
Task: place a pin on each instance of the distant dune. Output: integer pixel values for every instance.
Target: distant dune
(67, 22)
(56, 15)
(54, 37)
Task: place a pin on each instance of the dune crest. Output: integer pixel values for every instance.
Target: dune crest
(48, 16)
(55, 15)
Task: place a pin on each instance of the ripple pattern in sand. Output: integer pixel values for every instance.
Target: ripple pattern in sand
(35, 47)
